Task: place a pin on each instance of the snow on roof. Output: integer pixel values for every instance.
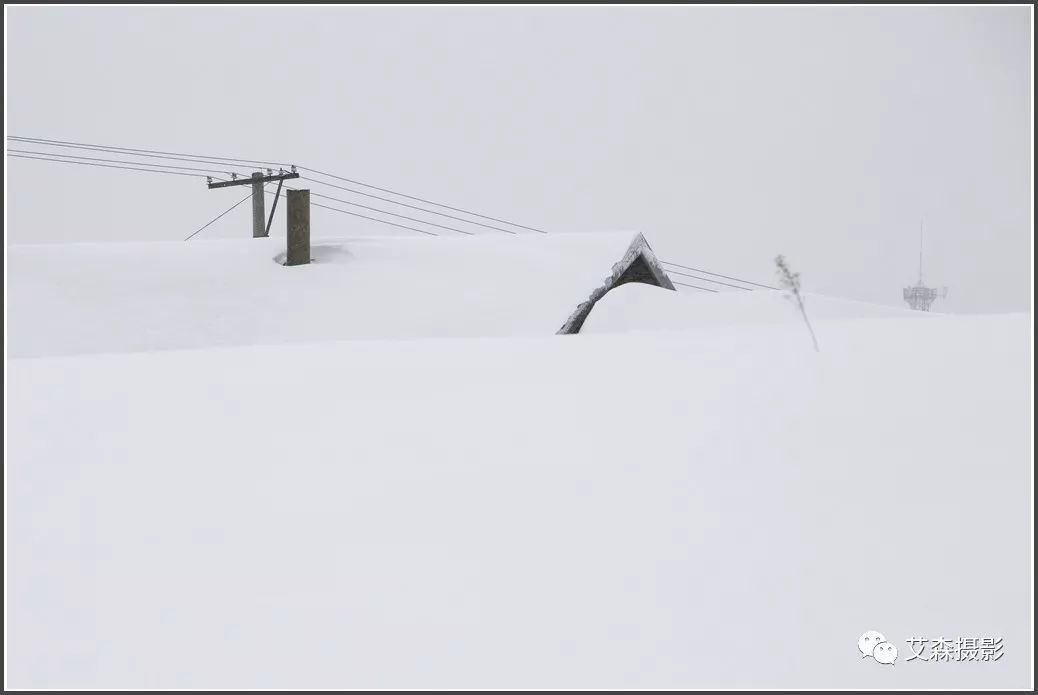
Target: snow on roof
(113, 297)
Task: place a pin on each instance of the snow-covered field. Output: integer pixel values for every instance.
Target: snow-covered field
(692, 502)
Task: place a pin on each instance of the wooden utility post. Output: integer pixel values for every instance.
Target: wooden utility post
(298, 216)
(260, 227)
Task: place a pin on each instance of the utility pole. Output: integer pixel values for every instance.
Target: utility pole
(260, 226)
(258, 229)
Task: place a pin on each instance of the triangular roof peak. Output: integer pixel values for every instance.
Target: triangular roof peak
(639, 264)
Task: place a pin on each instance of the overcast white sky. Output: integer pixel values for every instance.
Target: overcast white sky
(726, 135)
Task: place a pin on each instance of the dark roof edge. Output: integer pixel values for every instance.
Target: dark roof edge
(638, 248)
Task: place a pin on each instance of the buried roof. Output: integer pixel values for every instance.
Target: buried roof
(115, 297)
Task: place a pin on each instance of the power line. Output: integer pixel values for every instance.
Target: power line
(717, 282)
(685, 284)
(201, 158)
(165, 169)
(413, 207)
(107, 166)
(121, 161)
(80, 145)
(218, 216)
(707, 272)
(182, 173)
(373, 219)
(246, 163)
(111, 150)
(386, 212)
(421, 200)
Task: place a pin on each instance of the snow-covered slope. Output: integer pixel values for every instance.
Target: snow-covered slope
(678, 508)
(77, 298)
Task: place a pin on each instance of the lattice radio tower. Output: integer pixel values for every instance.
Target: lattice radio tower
(920, 297)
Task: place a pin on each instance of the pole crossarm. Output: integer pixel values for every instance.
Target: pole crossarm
(248, 181)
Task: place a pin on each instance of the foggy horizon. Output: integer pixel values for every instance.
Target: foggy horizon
(726, 136)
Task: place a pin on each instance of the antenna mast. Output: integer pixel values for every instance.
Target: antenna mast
(920, 252)
(920, 297)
